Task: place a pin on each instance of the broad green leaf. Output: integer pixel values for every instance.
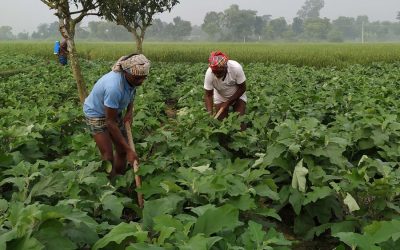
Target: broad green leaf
(19, 182)
(26, 243)
(296, 200)
(154, 208)
(166, 225)
(143, 246)
(81, 233)
(216, 219)
(5, 159)
(294, 148)
(351, 203)
(255, 175)
(199, 242)
(381, 231)
(237, 187)
(243, 203)
(113, 204)
(48, 186)
(166, 220)
(202, 209)
(299, 177)
(303, 224)
(3, 206)
(265, 191)
(50, 235)
(8, 236)
(67, 212)
(170, 186)
(379, 137)
(316, 194)
(117, 234)
(268, 212)
(344, 226)
(256, 232)
(276, 238)
(165, 233)
(273, 152)
(317, 231)
(357, 240)
(202, 168)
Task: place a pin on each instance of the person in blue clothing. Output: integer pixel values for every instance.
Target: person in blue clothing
(111, 95)
(62, 48)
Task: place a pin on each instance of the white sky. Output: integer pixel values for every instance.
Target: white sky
(26, 15)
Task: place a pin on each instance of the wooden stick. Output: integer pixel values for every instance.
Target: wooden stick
(219, 113)
(138, 180)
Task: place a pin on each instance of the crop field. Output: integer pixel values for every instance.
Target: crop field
(317, 55)
(316, 168)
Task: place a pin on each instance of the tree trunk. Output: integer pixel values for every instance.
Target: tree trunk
(139, 46)
(67, 29)
(139, 43)
(76, 71)
(139, 37)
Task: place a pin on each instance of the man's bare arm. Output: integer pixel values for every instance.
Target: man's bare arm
(208, 100)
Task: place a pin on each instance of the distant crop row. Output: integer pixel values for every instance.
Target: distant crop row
(318, 55)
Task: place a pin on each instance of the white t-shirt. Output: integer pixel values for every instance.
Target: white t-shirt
(224, 89)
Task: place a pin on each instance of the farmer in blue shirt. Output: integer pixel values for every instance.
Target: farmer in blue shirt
(103, 108)
(62, 52)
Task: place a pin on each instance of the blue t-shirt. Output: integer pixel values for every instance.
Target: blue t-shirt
(113, 91)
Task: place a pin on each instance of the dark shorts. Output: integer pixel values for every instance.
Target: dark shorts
(63, 60)
(98, 125)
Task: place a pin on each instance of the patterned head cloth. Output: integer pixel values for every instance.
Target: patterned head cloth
(217, 60)
(137, 65)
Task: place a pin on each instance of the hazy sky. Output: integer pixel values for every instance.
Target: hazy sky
(26, 15)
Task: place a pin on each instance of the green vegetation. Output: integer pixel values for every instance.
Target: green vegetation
(318, 55)
(319, 160)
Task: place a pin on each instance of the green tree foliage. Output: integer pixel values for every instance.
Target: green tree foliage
(180, 28)
(276, 28)
(41, 32)
(6, 33)
(239, 23)
(46, 31)
(212, 24)
(347, 27)
(260, 24)
(108, 31)
(311, 9)
(378, 29)
(135, 15)
(297, 25)
(317, 28)
(23, 36)
(335, 36)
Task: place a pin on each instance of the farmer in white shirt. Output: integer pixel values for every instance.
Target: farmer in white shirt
(225, 85)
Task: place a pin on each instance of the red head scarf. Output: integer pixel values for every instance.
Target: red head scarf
(217, 60)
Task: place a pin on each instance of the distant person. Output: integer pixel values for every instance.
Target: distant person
(225, 86)
(111, 95)
(62, 48)
(56, 47)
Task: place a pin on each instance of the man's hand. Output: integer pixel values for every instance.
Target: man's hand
(223, 106)
(131, 157)
(128, 118)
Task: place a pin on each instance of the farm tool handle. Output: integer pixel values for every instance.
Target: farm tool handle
(138, 180)
(219, 113)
